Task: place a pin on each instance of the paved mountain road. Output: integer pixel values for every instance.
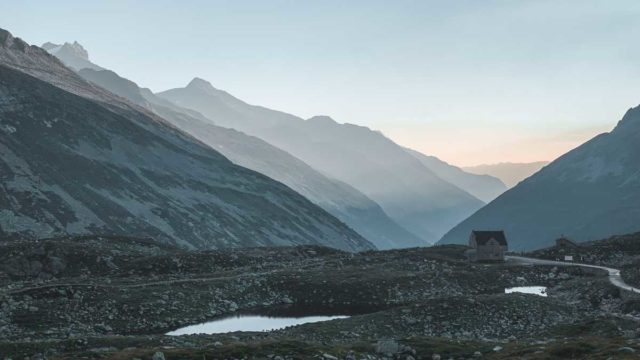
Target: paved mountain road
(614, 274)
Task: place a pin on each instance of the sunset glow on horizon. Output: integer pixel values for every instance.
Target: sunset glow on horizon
(470, 82)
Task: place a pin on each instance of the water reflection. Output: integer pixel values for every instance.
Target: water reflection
(249, 323)
(536, 290)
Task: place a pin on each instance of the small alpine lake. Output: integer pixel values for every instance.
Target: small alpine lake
(272, 318)
(259, 323)
(535, 290)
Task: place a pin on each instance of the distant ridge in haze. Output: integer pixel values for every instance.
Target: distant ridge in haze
(510, 173)
(409, 192)
(72, 54)
(484, 187)
(589, 193)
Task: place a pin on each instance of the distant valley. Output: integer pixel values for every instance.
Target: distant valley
(509, 173)
(591, 192)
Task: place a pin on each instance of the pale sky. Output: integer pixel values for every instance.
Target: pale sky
(468, 81)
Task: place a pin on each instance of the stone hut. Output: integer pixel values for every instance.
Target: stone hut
(487, 245)
(564, 243)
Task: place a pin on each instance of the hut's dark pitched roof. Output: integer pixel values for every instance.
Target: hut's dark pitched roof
(566, 240)
(482, 237)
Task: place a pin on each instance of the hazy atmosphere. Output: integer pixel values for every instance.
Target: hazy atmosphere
(470, 82)
(322, 180)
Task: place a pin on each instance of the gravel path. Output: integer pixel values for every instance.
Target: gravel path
(614, 274)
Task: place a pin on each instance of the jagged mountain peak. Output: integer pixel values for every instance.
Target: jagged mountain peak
(322, 119)
(630, 120)
(49, 45)
(73, 55)
(77, 49)
(9, 41)
(200, 83)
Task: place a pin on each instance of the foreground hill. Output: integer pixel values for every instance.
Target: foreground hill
(76, 159)
(589, 193)
(409, 192)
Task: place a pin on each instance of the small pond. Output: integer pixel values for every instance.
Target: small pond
(249, 323)
(274, 318)
(535, 290)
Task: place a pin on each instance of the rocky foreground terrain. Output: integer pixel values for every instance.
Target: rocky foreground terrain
(112, 297)
(620, 252)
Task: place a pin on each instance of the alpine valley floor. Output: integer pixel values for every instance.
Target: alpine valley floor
(112, 297)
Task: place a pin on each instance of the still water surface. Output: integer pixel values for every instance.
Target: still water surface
(536, 290)
(249, 323)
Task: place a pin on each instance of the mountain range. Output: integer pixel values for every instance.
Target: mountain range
(509, 173)
(409, 192)
(85, 151)
(346, 199)
(591, 192)
(77, 159)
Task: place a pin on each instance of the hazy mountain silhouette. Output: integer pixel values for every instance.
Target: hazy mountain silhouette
(77, 159)
(589, 193)
(413, 195)
(484, 187)
(72, 55)
(510, 173)
(341, 200)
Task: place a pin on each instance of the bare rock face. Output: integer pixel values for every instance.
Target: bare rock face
(77, 159)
